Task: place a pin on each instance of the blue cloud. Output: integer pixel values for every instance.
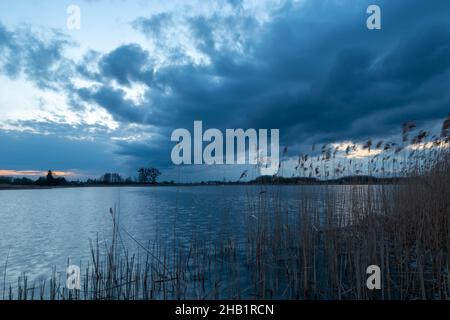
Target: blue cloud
(39, 58)
(153, 26)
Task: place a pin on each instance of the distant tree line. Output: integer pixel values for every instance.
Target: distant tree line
(150, 176)
(16, 181)
(49, 180)
(145, 176)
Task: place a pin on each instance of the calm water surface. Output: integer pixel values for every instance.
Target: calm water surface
(42, 229)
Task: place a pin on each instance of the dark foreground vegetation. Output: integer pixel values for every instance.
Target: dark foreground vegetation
(315, 252)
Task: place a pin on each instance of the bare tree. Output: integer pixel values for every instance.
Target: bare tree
(148, 175)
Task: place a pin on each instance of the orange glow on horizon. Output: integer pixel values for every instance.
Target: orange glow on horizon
(34, 173)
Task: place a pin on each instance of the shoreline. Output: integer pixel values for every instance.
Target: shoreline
(35, 187)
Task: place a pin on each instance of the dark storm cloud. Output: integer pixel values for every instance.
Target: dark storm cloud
(315, 71)
(127, 64)
(114, 101)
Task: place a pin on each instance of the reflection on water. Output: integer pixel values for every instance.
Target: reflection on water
(41, 229)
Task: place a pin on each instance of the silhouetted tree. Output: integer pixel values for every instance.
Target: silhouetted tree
(41, 181)
(148, 175)
(23, 181)
(6, 180)
(50, 178)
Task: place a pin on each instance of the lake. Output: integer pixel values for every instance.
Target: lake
(42, 229)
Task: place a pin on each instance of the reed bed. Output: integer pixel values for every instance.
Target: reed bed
(308, 252)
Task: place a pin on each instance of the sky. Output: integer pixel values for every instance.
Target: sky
(106, 97)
